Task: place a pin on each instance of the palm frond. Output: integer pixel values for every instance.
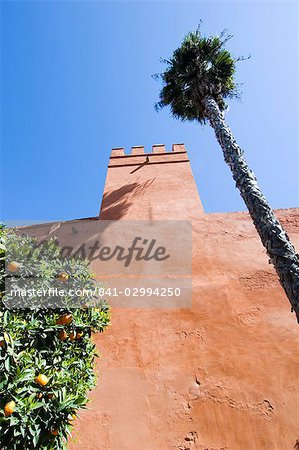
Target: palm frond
(201, 67)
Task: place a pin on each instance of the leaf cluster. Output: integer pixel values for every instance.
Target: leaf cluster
(31, 344)
(200, 68)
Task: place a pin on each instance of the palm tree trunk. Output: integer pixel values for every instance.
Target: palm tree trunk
(276, 241)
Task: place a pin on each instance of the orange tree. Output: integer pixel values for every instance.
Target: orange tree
(46, 354)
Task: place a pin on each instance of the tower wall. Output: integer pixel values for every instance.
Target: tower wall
(146, 186)
(222, 374)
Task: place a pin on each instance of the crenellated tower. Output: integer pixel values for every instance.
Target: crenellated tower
(146, 186)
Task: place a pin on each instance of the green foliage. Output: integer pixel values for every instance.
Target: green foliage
(31, 345)
(200, 68)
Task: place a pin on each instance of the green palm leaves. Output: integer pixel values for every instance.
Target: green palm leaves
(199, 68)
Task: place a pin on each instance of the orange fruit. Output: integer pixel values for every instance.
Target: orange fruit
(39, 395)
(73, 335)
(9, 408)
(2, 342)
(62, 335)
(13, 266)
(54, 432)
(79, 335)
(50, 396)
(42, 380)
(63, 277)
(65, 319)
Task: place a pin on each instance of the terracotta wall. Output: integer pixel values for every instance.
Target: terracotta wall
(221, 375)
(150, 186)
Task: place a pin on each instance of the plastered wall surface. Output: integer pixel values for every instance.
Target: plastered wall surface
(220, 375)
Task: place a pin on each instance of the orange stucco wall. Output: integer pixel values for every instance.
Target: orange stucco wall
(159, 188)
(221, 375)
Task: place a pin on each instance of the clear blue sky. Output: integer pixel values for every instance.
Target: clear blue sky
(76, 81)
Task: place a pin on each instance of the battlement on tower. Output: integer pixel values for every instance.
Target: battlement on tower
(139, 150)
(158, 155)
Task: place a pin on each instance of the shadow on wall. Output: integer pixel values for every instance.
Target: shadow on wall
(116, 203)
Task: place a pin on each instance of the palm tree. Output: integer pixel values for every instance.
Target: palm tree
(198, 78)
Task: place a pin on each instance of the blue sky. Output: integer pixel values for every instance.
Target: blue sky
(76, 81)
